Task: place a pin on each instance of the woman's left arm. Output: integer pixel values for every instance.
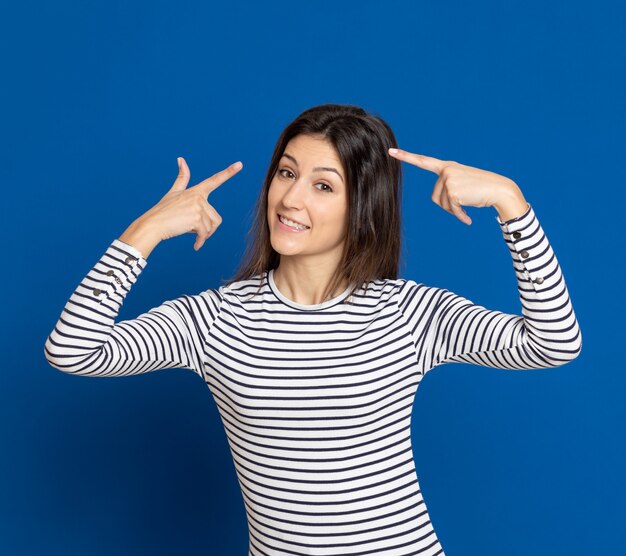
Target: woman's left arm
(548, 334)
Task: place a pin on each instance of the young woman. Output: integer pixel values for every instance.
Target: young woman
(313, 352)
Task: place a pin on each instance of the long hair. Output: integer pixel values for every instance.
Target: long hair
(374, 193)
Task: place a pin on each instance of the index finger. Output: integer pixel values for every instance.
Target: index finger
(426, 162)
(212, 183)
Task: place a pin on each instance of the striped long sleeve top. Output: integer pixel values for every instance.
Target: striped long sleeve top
(316, 400)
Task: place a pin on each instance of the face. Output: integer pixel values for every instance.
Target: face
(307, 202)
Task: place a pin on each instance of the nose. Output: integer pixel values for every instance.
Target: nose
(294, 196)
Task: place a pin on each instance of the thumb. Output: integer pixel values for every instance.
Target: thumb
(182, 179)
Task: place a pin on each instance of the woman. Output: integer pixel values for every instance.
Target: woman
(314, 350)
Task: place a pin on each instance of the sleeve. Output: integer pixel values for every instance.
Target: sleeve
(446, 327)
(86, 340)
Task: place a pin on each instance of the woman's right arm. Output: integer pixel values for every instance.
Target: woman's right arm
(87, 341)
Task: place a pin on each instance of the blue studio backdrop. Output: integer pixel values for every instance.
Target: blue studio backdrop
(100, 98)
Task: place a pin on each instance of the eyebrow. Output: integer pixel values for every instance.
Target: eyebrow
(318, 169)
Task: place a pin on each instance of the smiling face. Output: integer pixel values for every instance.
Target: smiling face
(309, 194)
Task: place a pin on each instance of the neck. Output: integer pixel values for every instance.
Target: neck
(305, 281)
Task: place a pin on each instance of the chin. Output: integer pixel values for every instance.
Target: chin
(276, 245)
(282, 250)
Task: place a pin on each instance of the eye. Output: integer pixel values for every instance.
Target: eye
(329, 188)
(284, 170)
(325, 187)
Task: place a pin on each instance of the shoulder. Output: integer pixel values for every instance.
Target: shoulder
(408, 294)
(209, 303)
(241, 290)
(388, 290)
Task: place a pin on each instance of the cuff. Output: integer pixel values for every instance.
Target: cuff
(128, 248)
(116, 271)
(514, 219)
(528, 247)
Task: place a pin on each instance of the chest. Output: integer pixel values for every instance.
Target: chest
(295, 365)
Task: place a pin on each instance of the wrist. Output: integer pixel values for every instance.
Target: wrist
(142, 236)
(511, 202)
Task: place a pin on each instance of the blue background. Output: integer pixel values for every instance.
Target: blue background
(99, 98)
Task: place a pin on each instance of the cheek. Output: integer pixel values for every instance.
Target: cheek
(270, 198)
(337, 223)
(270, 201)
(343, 219)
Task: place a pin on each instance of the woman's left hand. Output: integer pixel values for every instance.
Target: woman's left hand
(465, 185)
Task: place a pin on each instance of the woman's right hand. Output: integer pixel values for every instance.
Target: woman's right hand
(184, 210)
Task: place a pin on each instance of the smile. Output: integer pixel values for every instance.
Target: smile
(291, 224)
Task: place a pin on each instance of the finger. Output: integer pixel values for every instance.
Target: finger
(460, 213)
(438, 191)
(203, 230)
(214, 215)
(426, 162)
(445, 202)
(183, 175)
(211, 220)
(211, 184)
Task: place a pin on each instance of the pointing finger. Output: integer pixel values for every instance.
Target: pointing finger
(212, 183)
(422, 161)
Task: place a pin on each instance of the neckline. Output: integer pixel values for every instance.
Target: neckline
(302, 306)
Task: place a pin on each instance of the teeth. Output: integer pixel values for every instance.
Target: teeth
(292, 223)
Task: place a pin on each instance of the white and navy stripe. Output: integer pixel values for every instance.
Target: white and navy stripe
(316, 400)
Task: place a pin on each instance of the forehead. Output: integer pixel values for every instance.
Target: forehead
(307, 149)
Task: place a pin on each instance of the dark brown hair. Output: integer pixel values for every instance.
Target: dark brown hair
(374, 179)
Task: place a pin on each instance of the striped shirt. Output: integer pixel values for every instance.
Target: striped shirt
(316, 400)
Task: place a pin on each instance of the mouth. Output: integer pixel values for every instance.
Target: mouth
(292, 225)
